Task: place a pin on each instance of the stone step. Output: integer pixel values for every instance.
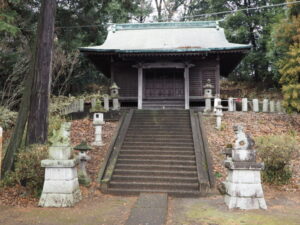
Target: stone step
(155, 173)
(156, 148)
(157, 144)
(158, 139)
(155, 178)
(160, 126)
(156, 185)
(157, 162)
(187, 136)
(158, 157)
(136, 152)
(156, 167)
(172, 192)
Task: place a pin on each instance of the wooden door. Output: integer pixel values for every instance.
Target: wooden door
(163, 84)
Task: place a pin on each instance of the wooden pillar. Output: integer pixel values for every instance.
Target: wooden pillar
(186, 87)
(140, 87)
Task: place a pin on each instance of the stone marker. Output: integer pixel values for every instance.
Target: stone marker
(278, 107)
(1, 140)
(243, 184)
(265, 105)
(83, 158)
(255, 105)
(98, 122)
(61, 187)
(244, 104)
(272, 106)
(208, 96)
(231, 103)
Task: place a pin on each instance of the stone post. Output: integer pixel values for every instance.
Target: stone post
(1, 146)
(231, 105)
(255, 105)
(106, 102)
(272, 106)
(61, 187)
(208, 96)
(217, 101)
(265, 105)
(219, 114)
(243, 184)
(93, 102)
(98, 122)
(244, 104)
(278, 107)
(81, 105)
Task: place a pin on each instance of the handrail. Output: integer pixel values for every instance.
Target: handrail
(111, 147)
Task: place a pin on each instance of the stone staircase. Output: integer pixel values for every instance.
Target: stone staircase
(157, 154)
(163, 104)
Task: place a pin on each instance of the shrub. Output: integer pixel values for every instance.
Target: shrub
(7, 118)
(277, 152)
(28, 171)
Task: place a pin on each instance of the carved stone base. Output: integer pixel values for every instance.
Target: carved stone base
(244, 190)
(61, 187)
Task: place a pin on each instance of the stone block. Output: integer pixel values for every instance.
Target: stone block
(59, 163)
(230, 105)
(272, 106)
(245, 203)
(60, 186)
(60, 200)
(265, 105)
(244, 176)
(60, 152)
(243, 155)
(60, 174)
(244, 190)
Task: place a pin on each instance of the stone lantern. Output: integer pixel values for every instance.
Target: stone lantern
(114, 93)
(208, 95)
(83, 157)
(219, 114)
(98, 122)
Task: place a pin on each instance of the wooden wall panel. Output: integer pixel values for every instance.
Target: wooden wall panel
(200, 73)
(126, 78)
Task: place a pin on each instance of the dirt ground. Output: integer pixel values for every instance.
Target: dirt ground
(283, 208)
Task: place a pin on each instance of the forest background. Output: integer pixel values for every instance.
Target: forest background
(273, 32)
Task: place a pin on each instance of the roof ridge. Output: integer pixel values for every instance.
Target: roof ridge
(165, 25)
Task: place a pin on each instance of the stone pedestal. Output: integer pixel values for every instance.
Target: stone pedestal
(243, 184)
(243, 187)
(98, 122)
(61, 187)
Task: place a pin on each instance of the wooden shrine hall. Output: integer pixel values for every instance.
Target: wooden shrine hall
(165, 64)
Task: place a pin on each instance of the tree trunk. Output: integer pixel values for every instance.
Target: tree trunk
(40, 76)
(38, 114)
(17, 136)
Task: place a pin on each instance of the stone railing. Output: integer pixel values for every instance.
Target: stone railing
(255, 105)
